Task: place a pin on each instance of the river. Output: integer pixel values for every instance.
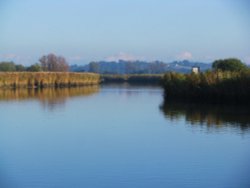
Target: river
(120, 136)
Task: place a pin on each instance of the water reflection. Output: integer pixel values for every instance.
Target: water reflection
(209, 116)
(49, 97)
(129, 89)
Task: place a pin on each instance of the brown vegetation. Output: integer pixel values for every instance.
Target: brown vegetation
(53, 63)
(46, 79)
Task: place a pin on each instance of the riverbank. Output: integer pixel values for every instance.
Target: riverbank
(133, 78)
(47, 79)
(212, 87)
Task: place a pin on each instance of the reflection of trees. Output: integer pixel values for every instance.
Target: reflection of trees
(50, 97)
(210, 115)
(129, 89)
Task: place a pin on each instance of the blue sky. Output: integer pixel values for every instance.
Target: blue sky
(86, 30)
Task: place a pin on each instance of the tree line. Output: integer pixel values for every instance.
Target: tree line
(47, 63)
(228, 81)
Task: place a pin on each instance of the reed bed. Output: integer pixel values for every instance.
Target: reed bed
(209, 87)
(47, 79)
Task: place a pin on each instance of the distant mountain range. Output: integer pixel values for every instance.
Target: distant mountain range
(139, 67)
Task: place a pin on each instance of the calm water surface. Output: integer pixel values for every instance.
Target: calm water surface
(120, 136)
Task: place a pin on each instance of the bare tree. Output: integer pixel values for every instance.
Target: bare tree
(54, 63)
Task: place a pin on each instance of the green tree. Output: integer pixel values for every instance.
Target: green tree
(20, 68)
(7, 67)
(231, 64)
(34, 68)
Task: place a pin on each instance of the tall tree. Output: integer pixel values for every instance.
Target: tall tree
(54, 63)
(231, 64)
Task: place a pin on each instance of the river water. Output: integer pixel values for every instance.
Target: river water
(120, 136)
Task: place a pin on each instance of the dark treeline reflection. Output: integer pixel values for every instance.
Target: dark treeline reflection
(49, 97)
(213, 116)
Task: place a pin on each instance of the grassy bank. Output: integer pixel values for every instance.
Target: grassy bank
(133, 78)
(208, 87)
(46, 79)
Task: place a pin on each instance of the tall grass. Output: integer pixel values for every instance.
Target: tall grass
(46, 79)
(209, 86)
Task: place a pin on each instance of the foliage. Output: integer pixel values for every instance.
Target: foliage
(139, 67)
(7, 66)
(46, 79)
(11, 67)
(34, 68)
(20, 68)
(54, 63)
(210, 86)
(94, 67)
(231, 64)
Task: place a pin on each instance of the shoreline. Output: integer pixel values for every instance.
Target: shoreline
(47, 79)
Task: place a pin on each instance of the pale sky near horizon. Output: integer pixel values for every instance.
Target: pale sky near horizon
(86, 30)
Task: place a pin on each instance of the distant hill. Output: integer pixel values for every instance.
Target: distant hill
(139, 67)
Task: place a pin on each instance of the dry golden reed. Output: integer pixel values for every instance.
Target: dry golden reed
(46, 79)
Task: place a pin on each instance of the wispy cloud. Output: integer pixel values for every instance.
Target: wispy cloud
(124, 56)
(185, 56)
